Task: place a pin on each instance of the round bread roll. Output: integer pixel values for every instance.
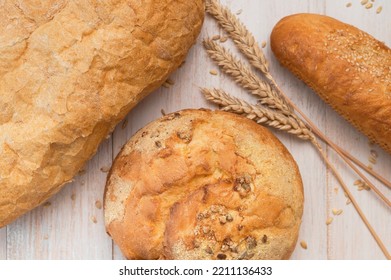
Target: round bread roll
(199, 184)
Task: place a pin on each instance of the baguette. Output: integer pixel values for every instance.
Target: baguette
(200, 184)
(69, 72)
(348, 68)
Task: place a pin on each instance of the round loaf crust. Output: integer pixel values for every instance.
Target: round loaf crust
(70, 70)
(200, 184)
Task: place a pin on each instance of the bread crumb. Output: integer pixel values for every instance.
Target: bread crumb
(124, 124)
(170, 82)
(47, 204)
(374, 153)
(163, 112)
(304, 245)
(94, 220)
(336, 189)
(46, 237)
(165, 85)
(348, 201)
(329, 220)
(337, 212)
(73, 196)
(98, 204)
(239, 12)
(213, 72)
(105, 169)
(82, 172)
(358, 182)
(348, 4)
(364, 2)
(263, 44)
(379, 9)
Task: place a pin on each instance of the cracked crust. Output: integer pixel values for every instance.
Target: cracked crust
(199, 184)
(348, 68)
(69, 72)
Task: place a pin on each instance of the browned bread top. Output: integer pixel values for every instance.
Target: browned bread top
(199, 184)
(348, 68)
(70, 70)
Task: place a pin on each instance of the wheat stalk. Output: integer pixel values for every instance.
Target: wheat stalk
(247, 44)
(270, 95)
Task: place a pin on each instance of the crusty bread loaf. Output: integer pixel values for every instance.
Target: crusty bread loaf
(198, 184)
(69, 72)
(347, 67)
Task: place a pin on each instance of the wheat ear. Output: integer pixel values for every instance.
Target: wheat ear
(246, 43)
(240, 35)
(245, 77)
(261, 115)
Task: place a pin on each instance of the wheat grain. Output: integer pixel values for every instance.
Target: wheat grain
(337, 212)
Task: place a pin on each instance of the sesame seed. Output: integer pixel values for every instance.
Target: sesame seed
(213, 72)
(304, 245)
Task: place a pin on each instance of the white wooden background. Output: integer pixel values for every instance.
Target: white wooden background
(65, 228)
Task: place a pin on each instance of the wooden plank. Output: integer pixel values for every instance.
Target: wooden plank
(310, 164)
(65, 228)
(3, 243)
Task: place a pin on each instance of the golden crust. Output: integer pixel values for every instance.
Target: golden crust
(69, 72)
(348, 68)
(199, 184)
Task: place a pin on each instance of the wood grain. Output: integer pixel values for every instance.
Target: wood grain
(66, 228)
(3, 244)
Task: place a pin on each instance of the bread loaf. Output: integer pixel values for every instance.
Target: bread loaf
(69, 72)
(198, 184)
(347, 67)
